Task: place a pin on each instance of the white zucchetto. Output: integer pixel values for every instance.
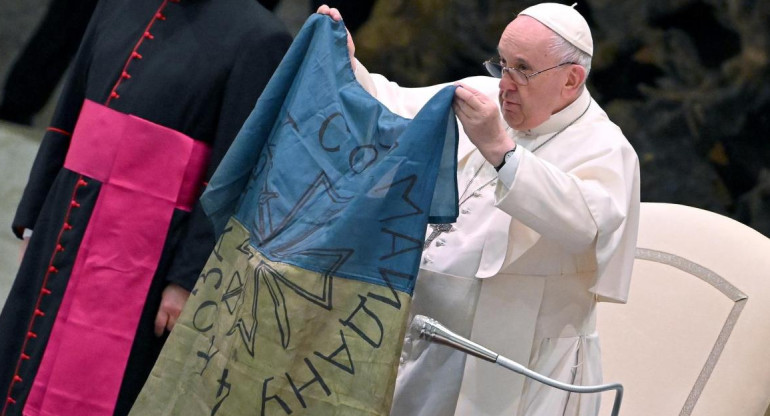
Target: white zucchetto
(566, 21)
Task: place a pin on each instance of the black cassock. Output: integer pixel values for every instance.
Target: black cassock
(192, 66)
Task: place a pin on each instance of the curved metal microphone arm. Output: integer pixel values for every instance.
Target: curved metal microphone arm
(433, 331)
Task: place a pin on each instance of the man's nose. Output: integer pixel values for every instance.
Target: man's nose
(507, 84)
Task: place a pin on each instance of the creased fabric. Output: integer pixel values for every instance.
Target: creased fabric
(321, 205)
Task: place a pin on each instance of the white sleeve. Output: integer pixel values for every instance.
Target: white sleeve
(365, 78)
(507, 173)
(580, 195)
(405, 101)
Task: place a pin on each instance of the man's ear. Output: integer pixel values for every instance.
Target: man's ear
(575, 78)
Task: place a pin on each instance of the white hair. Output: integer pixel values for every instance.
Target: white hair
(568, 52)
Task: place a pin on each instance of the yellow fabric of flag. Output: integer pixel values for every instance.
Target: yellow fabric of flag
(251, 341)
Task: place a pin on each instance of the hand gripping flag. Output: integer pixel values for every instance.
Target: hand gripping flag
(321, 206)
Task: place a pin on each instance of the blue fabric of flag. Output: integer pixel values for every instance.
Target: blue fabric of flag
(321, 165)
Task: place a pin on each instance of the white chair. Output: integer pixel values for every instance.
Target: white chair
(694, 338)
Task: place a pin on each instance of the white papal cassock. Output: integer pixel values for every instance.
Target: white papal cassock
(522, 269)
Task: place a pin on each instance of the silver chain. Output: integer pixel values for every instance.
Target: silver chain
(562, 130)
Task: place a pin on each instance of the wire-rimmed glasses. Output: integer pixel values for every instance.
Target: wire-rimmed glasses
(496, 69)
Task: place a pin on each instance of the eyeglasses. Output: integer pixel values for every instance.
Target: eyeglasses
(496, 69)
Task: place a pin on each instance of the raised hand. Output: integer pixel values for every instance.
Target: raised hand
(337, 16)
(482, 123)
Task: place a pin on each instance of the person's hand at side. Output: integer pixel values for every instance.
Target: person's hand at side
(337, 16)
(24, 234)
(172, 301)
(482, 123)
(23, 248)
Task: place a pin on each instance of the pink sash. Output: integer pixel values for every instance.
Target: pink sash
(146, 171)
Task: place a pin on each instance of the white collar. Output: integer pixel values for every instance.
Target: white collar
(561, 119)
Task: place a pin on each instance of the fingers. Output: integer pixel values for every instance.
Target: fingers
(161, 319)
(351, 45)
(467, 88)
(171, 304)
(457, 106)
(331, 12)
(337, 16)
(23, 248)
(467, 96)
(462, 103)
(171, 321)
(165, 321)
(460, 96)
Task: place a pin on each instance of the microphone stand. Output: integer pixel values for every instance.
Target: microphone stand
(433, 331)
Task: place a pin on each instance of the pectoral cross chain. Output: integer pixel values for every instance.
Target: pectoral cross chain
(438, 229)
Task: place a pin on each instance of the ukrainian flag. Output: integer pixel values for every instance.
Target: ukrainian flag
(321, 207)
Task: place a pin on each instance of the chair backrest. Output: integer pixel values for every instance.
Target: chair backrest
(694, 338)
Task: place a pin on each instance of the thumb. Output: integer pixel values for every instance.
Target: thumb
(172, 318)
(160, 322)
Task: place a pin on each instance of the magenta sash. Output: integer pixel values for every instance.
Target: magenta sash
(146, 171)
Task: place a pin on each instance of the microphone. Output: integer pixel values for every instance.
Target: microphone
(433, 331)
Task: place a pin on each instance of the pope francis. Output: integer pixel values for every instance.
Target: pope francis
(549, 203)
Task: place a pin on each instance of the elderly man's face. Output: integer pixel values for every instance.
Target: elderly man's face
(524, 46)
